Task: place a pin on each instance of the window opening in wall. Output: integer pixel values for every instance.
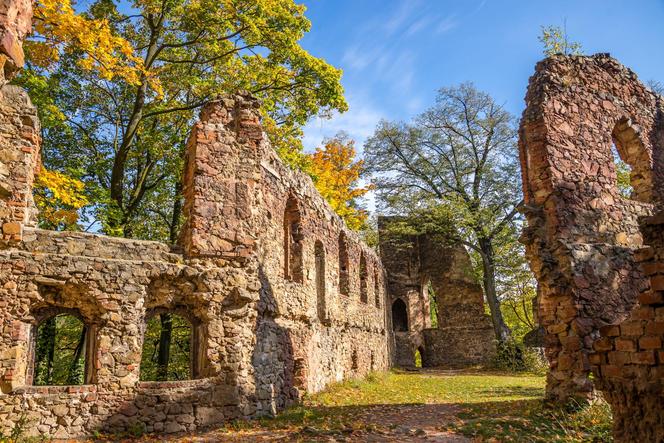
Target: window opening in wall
(418, 357)
(343, 265)
(364, 274)
(167, 348)
(319, 254)
(399, 316)
(293, 242)
(377, 292)
(354, 363)
(623, 173)
(433, 304)
(634, 179)
(60, 351)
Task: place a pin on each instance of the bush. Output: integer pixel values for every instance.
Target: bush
(514, 357)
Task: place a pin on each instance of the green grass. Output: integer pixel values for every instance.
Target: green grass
(493, 406)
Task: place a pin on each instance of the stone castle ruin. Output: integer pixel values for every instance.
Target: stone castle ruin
(273, 313)
(597, 255)
(281, 298)
(423, 268)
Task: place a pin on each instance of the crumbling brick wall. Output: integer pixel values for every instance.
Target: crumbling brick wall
(463, 335)
(261, 339)
(582, 233)
(629, 357)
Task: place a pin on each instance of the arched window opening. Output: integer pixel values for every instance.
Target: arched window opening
(169, 346)
(433, 304)
(293, 242)
(364, 275)
(344, 286)
(399, 316)
(632, 164)
(354, 362)
(61, 348)
(377, 292)
(419, 352)
(623, 173)
(319, 253)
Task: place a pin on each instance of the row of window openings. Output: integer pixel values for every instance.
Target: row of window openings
(64, 344)
(294, 262)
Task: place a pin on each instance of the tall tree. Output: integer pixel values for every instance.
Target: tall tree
(458, 156)
(123, 136)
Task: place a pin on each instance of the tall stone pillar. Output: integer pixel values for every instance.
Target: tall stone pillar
(19, 126)
(222, 169)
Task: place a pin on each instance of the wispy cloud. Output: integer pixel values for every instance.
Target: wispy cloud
(359, 122)
(446, 24)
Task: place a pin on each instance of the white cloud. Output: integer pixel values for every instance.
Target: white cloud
(446, 24)
(359, 122)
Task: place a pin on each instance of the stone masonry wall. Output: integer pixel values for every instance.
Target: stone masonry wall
(464, 335)
(19, 160)
(259, 339)
(582, 233)
(629, 362)
(333, 336)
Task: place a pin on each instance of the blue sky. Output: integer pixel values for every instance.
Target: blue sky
(395, 54)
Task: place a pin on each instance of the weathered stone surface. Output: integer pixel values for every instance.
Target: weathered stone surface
(598, 291)
(629, 358)
(261, 338)
(19, 160)
(15, 24)
(464, 335)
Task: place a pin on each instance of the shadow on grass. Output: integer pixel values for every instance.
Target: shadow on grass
(525, 420)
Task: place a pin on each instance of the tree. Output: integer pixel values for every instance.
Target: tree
(124, 137)
(556, 41)
(656, 86)
(336, 174)
(58, 198)
(458, 161)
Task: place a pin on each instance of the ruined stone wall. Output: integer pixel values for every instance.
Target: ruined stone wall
(261, 336)
(19, 160)
(278, 214)
(582, 233)
(464, 335)
(629, 358)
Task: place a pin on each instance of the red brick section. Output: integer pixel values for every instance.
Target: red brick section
(582, 233)
(629, 357)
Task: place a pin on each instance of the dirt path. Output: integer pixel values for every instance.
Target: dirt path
(381, 423)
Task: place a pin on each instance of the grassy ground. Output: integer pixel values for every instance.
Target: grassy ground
(486, 406)
(420, 406)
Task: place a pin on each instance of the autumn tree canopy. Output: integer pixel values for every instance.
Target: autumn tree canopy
(337, 173)
(118, 86)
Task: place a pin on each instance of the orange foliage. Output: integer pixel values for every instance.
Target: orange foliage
(336, 174)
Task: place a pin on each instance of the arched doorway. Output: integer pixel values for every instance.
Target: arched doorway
(399, 316)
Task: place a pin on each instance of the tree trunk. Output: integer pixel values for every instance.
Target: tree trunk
(177, 212)
(503, 333)
(164, 346)
(45, 352)
(74, 368)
